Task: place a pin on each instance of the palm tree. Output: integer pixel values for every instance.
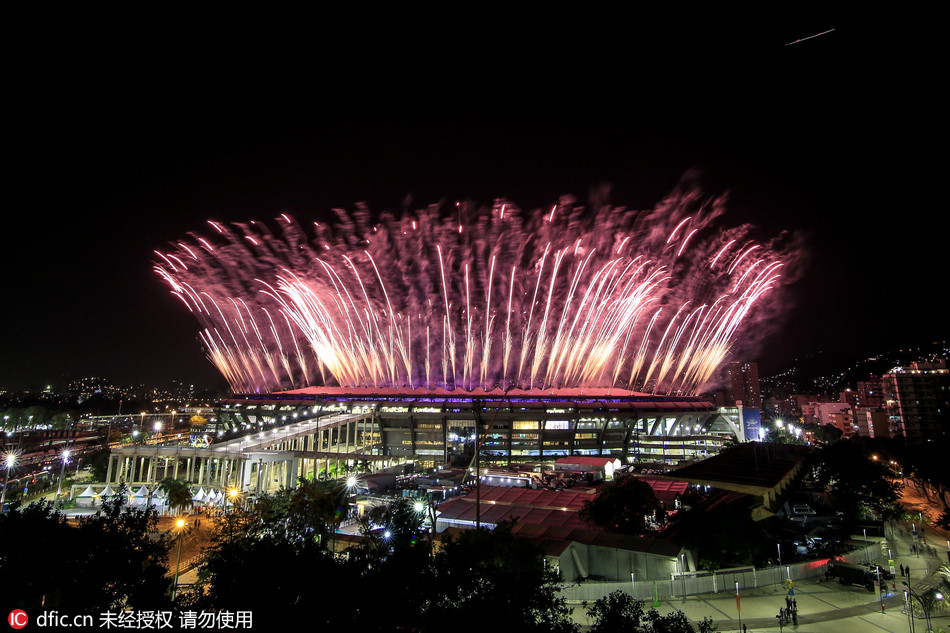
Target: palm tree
(935, 597)
(178, 493)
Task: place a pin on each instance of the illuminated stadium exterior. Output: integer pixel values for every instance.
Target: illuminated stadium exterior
(430, 426)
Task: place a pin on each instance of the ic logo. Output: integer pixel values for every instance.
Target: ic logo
(18, 618)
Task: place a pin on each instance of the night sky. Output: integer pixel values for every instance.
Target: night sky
(116, 149)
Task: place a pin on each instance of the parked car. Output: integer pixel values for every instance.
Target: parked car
(803, 510)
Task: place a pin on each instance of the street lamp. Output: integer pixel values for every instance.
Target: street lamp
(10, 461)
(683, 576)
(234, 496)
(738, 606)
(910, 611)
(62, 472)
(910, 604)
(180, 524)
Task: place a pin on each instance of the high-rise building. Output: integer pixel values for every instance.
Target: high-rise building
(871, 422)
(742, 384)
(918, 401)
(870, 393)
(837, 414)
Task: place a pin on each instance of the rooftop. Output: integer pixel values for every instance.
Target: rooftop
(756, 468)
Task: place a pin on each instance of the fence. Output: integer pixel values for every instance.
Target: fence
(721, 581)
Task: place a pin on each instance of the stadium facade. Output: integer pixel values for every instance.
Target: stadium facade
(430, 426)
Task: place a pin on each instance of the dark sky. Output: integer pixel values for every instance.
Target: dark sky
(117, 148)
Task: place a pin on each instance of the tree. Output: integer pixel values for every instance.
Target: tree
(128, 555)
(723, 533)
(673, 622)
(178, 493)
(309, 512)
(617, 611)
(478, 574)
(856, 480)
(111, 561)
(622, 613)
(391, 528)
(98, 464)
(627, 505)
(926, 469)
(943, 520)
(494, 574)
(316, 508)
(824, 433)
(781, 435)
(285, 575)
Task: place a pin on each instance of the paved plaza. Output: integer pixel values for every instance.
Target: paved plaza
(824, 607)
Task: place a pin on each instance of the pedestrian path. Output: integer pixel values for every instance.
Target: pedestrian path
(822, 606)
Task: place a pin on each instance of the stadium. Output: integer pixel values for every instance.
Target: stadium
(430, 427)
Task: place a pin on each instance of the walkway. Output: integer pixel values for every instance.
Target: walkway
(823, 607)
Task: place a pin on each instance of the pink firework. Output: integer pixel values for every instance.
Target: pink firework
(480, 297)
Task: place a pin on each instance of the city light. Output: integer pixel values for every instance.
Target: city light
(9, 461)
(180, 524)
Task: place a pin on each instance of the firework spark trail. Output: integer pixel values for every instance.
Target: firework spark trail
(587, 297)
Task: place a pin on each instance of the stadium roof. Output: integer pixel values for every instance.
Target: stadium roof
(614, 398)
(755, 468)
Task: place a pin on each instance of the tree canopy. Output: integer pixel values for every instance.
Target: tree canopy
(389, 580)
(855, 480)
(178, 492)
(110, 561)
(626, 505)
(736, 538)
(484, 576)
(618, 612)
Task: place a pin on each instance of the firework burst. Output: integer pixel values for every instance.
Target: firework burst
(478, 296)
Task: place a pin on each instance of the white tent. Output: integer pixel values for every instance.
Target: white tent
(140, 498)
(87, 497)
(160, 499)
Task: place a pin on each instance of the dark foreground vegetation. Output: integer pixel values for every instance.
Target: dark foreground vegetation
(284, 563)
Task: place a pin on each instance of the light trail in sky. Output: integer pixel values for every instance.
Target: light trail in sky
(810, 37)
